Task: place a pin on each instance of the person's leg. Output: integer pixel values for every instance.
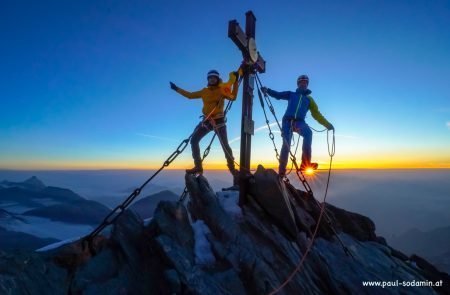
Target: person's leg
(306, 133)
(221, 131)
(200, 131)
(286, 147)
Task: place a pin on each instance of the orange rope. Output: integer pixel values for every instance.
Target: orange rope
(299, 266)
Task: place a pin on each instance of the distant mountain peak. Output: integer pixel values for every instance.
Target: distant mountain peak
(34, 181)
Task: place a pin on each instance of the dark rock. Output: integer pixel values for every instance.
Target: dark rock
(381, 240)
(271, 194)
(172, 219)
(29, 274)
(254, 254)
(432, 274)
(400, 255)
(146, 206)
(354, 224)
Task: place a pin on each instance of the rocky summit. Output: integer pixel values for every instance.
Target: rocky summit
(210, 245)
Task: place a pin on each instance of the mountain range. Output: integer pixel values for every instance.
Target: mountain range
(278, 239)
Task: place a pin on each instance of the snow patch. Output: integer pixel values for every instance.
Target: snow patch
(202, 247)
(57, 244)
(229, 201)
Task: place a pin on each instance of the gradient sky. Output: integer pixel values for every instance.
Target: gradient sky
(85, 84)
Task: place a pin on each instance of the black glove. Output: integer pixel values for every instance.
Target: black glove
(264, 89)
(173, 86)
(330, 127)
(236, 74)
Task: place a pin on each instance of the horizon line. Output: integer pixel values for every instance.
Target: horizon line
(217, 169)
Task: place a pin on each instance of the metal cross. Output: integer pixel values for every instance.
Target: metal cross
(253, 62)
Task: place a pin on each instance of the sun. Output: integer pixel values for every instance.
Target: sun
(309, 171)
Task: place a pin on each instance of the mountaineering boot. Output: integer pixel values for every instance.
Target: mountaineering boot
(198, 169)
(235, 186)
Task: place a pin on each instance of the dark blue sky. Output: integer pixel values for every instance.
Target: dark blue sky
(84, 84)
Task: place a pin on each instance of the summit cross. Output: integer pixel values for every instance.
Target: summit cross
(253, 62)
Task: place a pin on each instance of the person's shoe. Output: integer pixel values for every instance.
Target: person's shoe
(195, 170)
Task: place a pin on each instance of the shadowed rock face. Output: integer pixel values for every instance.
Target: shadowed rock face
(146, 206)
(254, 252)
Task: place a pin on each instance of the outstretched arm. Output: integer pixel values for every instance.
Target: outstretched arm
(279, 95)
(190, 95)
(317, 115)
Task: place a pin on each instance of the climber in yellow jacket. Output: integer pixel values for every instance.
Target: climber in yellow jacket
(213, 97)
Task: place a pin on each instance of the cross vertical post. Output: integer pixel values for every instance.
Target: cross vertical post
(253, 62)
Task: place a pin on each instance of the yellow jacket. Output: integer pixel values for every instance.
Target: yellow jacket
(213, 96)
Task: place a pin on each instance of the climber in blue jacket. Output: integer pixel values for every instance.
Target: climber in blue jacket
(299, 103)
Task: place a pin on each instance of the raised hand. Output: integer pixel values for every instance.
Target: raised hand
(173, 86)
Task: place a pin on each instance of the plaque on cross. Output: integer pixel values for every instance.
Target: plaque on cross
(253, 62)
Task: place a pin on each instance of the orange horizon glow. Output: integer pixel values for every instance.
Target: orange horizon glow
(136, 165)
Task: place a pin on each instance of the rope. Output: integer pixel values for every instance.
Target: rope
(296, 148)
(316, 229)
(293, 158)
(308, 249)
(301, 177)
(318, 130)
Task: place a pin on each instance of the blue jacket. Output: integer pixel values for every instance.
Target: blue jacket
(299, 103)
